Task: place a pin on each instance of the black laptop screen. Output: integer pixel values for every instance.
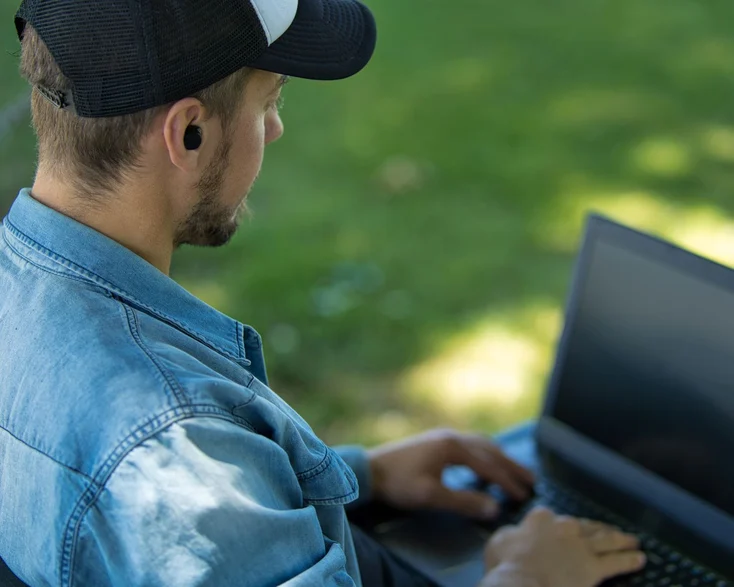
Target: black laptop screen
(649, 369)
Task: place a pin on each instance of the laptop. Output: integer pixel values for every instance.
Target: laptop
(638, 424)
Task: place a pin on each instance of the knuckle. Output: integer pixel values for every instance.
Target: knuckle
(623, 563)
(568, 526)
(430, 493)
(446, 436)
(446, 433)
(540, 514)
(502, 535)
(423, 493)
(618, 539)
(631, 561)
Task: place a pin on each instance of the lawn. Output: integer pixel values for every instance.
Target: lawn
(414, 231)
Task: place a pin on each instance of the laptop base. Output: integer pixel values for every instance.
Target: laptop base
(449, 549)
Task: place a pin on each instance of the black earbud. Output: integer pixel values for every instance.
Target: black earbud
(192, 138)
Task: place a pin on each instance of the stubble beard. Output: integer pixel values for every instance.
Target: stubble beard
(210, 223)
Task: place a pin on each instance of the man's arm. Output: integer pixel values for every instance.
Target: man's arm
(356, 457)
(205, 502)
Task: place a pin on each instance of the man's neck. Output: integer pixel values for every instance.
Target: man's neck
(133, 216)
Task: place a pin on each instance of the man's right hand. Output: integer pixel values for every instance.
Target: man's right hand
(547, 550)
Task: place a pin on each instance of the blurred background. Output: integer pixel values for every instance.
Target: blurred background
(413, 234)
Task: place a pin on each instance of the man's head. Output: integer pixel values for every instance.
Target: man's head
(96, 155)
(173, 97)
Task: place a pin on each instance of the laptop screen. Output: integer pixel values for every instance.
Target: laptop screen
(649, 366)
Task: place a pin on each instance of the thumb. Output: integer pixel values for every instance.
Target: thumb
(472, 504)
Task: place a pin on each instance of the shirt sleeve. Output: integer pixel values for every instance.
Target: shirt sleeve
(356, 458)
(205, 503)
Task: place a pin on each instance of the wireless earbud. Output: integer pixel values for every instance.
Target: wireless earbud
(192, 138)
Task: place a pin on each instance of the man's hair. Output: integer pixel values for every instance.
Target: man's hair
(94, 154)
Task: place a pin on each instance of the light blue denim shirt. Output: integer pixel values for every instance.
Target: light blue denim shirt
(140, 443)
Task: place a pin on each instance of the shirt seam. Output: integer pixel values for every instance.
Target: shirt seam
(317, 469)
(98, 280)
(48, 456)
(171, 383)
(61, 274)
(144, 432)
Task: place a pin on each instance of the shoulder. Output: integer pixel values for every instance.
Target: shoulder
(206, 499)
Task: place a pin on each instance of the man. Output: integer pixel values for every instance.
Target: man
(140, 443)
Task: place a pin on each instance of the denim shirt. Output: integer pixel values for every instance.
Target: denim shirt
(140, 443)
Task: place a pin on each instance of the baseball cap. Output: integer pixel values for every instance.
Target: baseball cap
(124, 56)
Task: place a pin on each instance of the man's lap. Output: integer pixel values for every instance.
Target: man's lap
(380, 568)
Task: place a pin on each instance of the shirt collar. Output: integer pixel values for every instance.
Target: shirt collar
(91, 255)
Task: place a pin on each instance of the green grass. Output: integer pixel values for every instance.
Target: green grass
(440, 192)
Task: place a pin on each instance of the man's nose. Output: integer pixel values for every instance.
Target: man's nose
(275, 130)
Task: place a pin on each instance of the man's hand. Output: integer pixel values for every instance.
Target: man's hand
(407, 474)
(547, 550)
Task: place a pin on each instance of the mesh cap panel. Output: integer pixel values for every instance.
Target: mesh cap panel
(123, 56)
(204, 43)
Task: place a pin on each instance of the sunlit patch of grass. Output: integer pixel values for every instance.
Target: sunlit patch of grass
(708, 232)
(581, 107)
(713, 55)
(702, 228)
(642, 209)
(663, 157)
(718, 143)
(496, 365)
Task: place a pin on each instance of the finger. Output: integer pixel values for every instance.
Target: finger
(611, 565)
(472, 504)
(487, 466)
(590, 527)
(568, 526)
(523, 474)
(539, 516)
(606, 542)
(517, 490)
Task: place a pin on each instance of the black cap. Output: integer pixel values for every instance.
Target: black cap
(124, 56)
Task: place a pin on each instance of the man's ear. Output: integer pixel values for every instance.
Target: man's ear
(181, 115)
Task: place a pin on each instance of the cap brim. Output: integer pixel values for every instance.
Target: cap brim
(328, 40)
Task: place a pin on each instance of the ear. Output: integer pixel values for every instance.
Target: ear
(182, 114)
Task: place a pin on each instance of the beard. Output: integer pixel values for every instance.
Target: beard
(211, 223)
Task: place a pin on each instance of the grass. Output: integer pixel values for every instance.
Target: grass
(414, 230)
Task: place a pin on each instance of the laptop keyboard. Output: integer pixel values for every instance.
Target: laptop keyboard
(665, 567)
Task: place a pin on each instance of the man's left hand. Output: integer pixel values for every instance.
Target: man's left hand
(407, 474)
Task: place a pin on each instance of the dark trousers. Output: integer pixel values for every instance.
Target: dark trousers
(377, 565)
(380, 568)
